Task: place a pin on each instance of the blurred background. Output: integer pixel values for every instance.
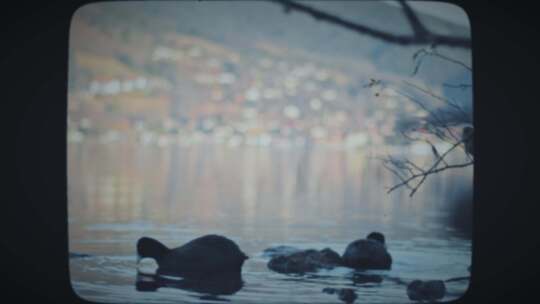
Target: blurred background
(247, 73)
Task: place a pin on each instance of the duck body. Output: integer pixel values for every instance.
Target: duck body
(205, 256)
(369, 253)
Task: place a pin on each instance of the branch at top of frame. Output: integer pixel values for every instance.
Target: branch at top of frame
(420, 37)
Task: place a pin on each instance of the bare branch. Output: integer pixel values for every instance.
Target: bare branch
(420, 54)
(401, 165)
(417, 26)
(440, 122)
(445, 100)
(423, 174)
(435, 125)
(404, 182)
(415, 166)
(435, 151)
(436, 54)
(420, 37)
(451, 167)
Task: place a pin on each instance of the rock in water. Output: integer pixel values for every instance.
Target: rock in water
(347, 295)
(419, 290)
(368, 253)
(202, 257)
(305, 261)
(330, 258)
(279, 250)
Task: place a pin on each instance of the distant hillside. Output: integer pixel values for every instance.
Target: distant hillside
(241, 24)
(132, 61)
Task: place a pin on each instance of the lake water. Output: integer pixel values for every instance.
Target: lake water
(259, 197)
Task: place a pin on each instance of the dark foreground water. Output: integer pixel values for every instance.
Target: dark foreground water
(259, 197)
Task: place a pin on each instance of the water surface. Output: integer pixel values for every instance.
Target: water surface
(259, 197)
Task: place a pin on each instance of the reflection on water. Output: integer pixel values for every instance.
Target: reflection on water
(214, 286)
(259, 197)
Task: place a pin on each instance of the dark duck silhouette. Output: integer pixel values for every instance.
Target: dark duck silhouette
(205, 256)
(369, 253)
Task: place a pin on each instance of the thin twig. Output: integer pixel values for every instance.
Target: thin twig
(445, 100)
(433, 114)
(419, 55)
(433, 169)
(403, 181)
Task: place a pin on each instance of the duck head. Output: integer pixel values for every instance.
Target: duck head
(376, 236)
(150, 248)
